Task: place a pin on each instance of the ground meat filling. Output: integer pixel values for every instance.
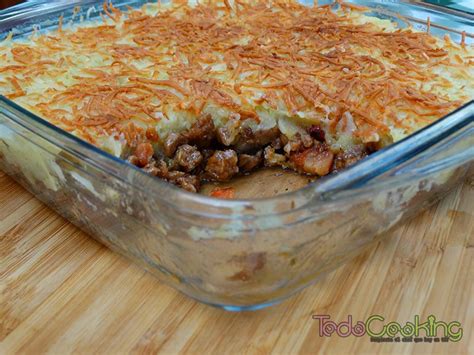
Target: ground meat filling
(204, 153)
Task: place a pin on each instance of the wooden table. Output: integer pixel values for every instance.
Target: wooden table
(63, 292)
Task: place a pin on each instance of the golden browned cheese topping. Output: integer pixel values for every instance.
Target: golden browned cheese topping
(139, 74)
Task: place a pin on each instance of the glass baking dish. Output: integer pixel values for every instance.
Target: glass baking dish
(234, 254)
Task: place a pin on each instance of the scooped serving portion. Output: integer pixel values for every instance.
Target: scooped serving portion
(205, 92)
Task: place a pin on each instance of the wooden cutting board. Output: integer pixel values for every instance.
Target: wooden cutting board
(63, 292)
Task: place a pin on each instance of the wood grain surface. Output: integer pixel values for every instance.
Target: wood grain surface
(62, 292)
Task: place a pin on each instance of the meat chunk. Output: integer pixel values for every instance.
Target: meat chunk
(157, 168)
(143, 153)
(188, 157)
(179, 178)
(249, 162)
(228, 134)
(317, 160)
(271, 158)
(188, 182)
(201, 134)
(172, 142)
(222, 165)
(349, 157)
(133, 159)
(244, 139)
(298, 142)
(249, 140)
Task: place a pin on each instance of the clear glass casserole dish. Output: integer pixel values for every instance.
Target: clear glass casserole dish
(234, 254)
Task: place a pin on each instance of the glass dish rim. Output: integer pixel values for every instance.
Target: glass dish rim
(323, 187)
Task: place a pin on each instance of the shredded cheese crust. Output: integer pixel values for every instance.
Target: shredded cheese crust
(138, 75)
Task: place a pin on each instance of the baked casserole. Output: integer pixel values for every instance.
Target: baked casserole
(195, 92)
